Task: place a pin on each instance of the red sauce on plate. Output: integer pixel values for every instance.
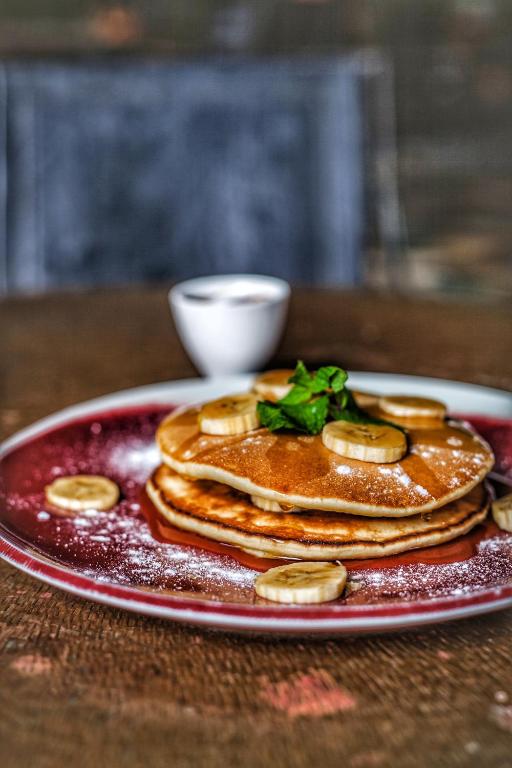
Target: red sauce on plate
(455, 551)
(164, 531)
(116, 444)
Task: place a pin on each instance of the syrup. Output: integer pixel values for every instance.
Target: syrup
(455, 551)
(167, 533)
(120, 444)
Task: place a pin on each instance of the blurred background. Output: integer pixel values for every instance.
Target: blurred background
(330, 142)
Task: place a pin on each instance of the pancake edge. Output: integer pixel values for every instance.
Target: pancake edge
(280, 548)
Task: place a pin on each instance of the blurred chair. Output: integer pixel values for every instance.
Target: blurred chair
(124, 171)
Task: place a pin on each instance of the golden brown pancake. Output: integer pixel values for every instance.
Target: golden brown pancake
(218, 512)
(444, 462)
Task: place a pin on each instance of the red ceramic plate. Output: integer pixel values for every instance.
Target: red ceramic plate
(130, 559)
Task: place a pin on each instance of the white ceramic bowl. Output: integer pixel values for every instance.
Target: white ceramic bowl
(230, 323)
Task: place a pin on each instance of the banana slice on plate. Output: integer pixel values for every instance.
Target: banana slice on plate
(273, 385)
(231, 415)
(378, 443)
(502, 512)
(272, 506)
(79, 492)
(412, 407)
(365, 399)
(302, 583)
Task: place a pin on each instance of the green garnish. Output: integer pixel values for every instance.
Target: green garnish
(316, 398)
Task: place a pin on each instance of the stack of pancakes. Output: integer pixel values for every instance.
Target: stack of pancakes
(327, 507)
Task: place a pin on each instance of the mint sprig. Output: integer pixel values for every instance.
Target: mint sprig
(316, 398)
(327, 378)
(346, 409)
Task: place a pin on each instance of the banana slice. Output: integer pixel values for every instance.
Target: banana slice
(378, 443)
(273, 385)
(302, 583)
(365, 399)
(232, 415)
(272, 506)
(502, 512)
(415, 407)
(79, 492)
(259, 553)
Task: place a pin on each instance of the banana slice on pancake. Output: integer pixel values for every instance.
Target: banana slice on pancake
(405, 406)
(377, 443)
(365, 399)
(79, 492)
(302, 583)
(267, 505)
(273, 385)
(232, 415)
(502, 512)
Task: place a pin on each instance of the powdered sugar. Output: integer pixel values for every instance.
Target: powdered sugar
(490, 565)
(117, 546)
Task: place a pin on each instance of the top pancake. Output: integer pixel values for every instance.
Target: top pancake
(444, 462)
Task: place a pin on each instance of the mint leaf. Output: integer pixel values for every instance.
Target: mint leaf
(300, 376)
(298, 394)
(345, 401)
(272, 417)
(346, 409)
(310, 417)
(329, 377)
(306, 406)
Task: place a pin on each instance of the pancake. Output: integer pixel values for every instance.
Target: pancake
(444, 462)
(218, 512)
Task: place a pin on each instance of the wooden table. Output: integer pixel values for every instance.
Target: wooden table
(84, 685)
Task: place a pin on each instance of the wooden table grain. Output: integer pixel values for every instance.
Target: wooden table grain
(85, 685)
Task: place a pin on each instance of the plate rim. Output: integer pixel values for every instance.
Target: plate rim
(327, 619)
(215, 614)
